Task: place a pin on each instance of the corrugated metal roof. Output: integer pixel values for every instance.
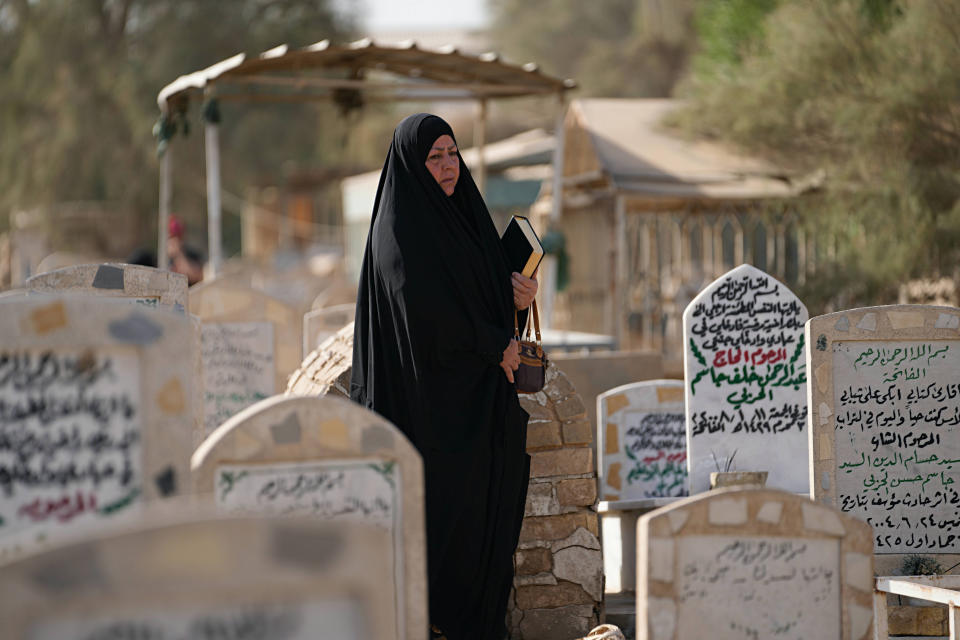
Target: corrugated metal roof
(638, 154)
(402, 71)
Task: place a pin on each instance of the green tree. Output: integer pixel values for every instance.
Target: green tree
(78, 91)
(866, 90)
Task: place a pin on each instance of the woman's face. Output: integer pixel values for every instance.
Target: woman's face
(444, 164)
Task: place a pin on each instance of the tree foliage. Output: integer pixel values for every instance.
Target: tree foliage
(867, 90)
(78, 94)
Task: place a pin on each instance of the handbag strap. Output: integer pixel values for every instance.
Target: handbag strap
(526, 328)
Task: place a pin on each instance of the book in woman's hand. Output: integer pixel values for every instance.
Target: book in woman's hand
(523, 248)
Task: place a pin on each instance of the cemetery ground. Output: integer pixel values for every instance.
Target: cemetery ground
(172, 469)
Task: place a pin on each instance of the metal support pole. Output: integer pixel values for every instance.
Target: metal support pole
(620, 272)
(479, 141)
(163, 216)
(548, 274)
(215, 247)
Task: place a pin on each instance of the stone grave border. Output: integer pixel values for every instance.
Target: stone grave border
(245, 438)
(725, 512)
(72, 321)
(114, 279)
(223, 559)
(890, 322)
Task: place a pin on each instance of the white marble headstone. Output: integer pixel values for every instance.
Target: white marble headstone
(745, 376)
(641, 441)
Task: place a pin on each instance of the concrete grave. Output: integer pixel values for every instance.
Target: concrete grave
(322, 324)
(251, 344)
(745, 380)
(96, 414)
(282, 579)
(641, 441)
(885, 422)
(143, 285)
(330, 459)
(753, 563)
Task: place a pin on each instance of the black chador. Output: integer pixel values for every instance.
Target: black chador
(434, 315)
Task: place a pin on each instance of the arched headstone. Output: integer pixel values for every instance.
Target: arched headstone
(250, 345)
(641, 441)
(885, 422)
(95, 414)
(321, 324)
(143, 285)
(282, 579)
(745, 376)
(747, 563)
(325, 458)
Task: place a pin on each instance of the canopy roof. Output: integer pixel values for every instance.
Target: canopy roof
(381, 72)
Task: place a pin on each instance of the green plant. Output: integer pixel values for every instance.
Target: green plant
(727, 462)
(918, 565)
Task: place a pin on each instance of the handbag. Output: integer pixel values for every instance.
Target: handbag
(531, 375)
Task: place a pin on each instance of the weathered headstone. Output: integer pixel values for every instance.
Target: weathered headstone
(885, 422)
(95, 414)
(330, 459)
(143, 285)
(250, 345)
(276, 579)
(642, 441)
(746, 563)
(745, 377)
(321, 324)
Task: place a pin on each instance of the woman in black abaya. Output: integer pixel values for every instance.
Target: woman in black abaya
(433, 352)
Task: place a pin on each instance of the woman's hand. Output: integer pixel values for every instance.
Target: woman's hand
(511, 359)
(524, 290)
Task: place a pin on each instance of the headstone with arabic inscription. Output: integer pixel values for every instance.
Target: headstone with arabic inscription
(745, 378)
(330, 459)
(753, 563)
(142, 285)
(641, 441)
(885, 422)
(95, 414)
(251, 344)
(179, 578)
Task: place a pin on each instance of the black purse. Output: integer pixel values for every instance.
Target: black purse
(531, 375)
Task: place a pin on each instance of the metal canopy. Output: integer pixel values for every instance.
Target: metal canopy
(403, 72)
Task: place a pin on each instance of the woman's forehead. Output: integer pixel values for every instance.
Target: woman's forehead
(444, 142)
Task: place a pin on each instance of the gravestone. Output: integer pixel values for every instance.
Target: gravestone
(745, 377)
(322, 324)
(641, 441)
(885, 422)
(95, 414)
(330, 459)
(753, 563)
(276, 579)
(250, 345)
(143, 285)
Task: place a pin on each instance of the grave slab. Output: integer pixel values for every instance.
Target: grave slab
(330, 459)
(283, 579)
(885, 422)
(143, 285)
(753, 563)
(96, 414)
(745, 377)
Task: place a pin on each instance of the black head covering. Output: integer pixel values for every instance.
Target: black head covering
(435, 302)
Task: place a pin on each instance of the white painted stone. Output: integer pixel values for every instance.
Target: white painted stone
(661, 559)
(948, 321)
(581, 566)
(858, 569)
(843, 324)
(745, 378)
(728, 511)
(817, 518)
(677, 520)
(770, 512)
(648, 444)
(868, 322)
(662, 617)
(860, 620)
(579, 538)
(825, 413)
